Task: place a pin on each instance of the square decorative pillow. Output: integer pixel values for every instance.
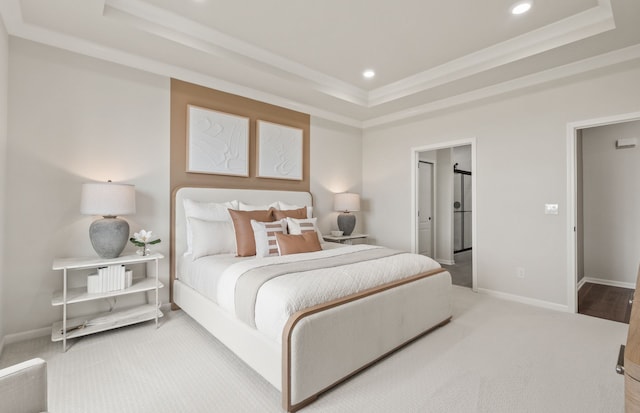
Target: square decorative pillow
(245, 241)
(300, 213)
(208, 211)
(212, 237)
(283, 206)
(300, 226)
(295, 244)
(264, 234)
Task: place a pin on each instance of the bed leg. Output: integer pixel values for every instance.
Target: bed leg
(296, 407)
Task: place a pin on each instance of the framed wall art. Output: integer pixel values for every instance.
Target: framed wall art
(217, 142)
(279, 151)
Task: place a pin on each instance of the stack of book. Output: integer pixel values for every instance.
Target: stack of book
(110, 278)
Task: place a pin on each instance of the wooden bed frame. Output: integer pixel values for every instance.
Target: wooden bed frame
(325, 344)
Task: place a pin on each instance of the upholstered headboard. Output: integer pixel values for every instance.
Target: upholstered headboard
(248, 196)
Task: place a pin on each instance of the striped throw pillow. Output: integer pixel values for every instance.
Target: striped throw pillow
(299, 226)
(265, 236)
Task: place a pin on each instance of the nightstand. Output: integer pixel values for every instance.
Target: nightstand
(66, 329)
(344, 239)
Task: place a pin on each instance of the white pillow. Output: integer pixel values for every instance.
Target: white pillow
(298, 226)
(247, 207)
(265, 236)
(212, 237)
(208, 211)
(286, 207)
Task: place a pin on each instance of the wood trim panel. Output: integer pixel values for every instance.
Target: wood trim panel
(298, 316)
(184, 94)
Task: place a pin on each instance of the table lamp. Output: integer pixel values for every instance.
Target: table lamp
(110, 234)
(345, 203)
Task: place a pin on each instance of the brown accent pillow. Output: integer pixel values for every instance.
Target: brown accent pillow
(300, 213)
(295, 244)
(245, 241)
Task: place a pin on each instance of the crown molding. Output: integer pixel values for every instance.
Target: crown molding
(171, 26)
(586, 65)
(10, 12)
(12, 17)
(571, 29)
(146, 17)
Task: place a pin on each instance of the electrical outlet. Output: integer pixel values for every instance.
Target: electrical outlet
(520, 272)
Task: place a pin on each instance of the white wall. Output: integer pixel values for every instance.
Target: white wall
(4, 78)
(462, 156)
(611, 203)
(336, 166)
(75, 119)
(521, 165)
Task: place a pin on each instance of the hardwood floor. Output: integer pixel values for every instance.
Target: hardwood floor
(603, 301)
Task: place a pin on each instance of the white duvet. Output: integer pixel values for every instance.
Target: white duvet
(282, 296)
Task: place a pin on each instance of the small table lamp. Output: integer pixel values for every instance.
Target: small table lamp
(110, 234)
(346, 202)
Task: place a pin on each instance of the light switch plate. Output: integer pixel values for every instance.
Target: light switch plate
(551, 209)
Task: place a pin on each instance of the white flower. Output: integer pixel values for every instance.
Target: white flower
(143, 236)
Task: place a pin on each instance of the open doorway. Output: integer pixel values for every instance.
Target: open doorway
(443, 202)
(608, 242)
(602, 214)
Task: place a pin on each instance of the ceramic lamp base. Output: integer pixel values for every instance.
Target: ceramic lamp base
(109, 236)
(346, 223)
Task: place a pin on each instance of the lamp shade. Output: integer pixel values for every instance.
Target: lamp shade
(346, 202)
(107, 199)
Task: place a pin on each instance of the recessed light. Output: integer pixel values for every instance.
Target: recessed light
(368, 74)
(521, 8)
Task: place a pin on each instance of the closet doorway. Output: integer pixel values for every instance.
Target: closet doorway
(602, 238)
(608, 243)
(443, 218)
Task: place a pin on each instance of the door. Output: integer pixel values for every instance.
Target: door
(425, 208)
(462, 223)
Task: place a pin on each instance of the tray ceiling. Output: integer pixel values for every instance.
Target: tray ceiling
(309, 55)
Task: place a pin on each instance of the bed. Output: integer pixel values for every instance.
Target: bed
(307, 347)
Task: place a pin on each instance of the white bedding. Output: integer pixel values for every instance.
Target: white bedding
(282, 296)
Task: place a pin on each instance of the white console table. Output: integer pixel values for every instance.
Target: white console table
(82, 326)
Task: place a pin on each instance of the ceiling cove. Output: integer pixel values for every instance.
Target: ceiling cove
(171, 26)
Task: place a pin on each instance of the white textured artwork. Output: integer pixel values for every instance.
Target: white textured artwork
(279, 151)
(218, 143)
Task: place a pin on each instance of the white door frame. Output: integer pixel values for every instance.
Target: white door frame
(415, 154)
(572, 194)
(433, 204)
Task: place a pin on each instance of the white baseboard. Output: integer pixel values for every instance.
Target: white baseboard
(581, 283)
(611, 283)
(44, 331)
(445, 262)
(525, 300)
(27, 335)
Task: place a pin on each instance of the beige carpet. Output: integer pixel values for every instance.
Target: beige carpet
(495, 356)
